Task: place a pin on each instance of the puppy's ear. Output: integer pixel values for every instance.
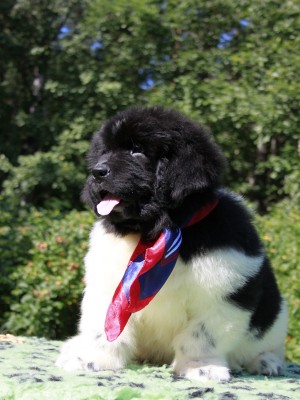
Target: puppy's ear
(195, 166)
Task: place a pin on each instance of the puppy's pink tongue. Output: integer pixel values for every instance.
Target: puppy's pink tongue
(107, 204)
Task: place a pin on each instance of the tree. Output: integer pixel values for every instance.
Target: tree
(71, 64)
(234, 67)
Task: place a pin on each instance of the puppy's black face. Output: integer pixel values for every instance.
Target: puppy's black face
(146, 163)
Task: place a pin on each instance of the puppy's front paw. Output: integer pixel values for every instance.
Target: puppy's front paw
(204, 371)
(83, 353)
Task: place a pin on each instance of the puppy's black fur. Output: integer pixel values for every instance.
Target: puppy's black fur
(163, 167)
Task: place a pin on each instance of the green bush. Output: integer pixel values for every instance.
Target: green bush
(15, 243)
(47, 286)
(49, 179)
(280, 231)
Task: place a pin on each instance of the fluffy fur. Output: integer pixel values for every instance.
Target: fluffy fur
(220, 310)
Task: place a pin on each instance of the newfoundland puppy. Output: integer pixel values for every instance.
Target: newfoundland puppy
(152, 173)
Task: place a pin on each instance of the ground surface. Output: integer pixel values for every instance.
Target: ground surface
(27, 372)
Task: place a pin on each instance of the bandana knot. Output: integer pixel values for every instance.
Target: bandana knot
(148, 269)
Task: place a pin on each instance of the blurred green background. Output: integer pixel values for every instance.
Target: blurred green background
(67, 65)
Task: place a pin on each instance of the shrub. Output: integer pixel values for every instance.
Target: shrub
(47, 286)
(280, 231)
(15, 243)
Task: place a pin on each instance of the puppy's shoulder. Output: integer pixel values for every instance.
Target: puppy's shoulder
(234, 205)
(228, 226)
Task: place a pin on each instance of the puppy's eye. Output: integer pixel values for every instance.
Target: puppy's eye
(136, 149)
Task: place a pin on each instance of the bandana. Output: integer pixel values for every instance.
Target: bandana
(148, 270)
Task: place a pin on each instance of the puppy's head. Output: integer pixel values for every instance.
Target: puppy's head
(144, 163)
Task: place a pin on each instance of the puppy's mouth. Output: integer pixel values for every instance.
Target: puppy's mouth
(108, 203)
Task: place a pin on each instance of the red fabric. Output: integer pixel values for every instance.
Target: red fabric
(150, 266)
(116, 320)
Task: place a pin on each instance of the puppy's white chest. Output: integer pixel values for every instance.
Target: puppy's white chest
(107, 258)
(194, 295)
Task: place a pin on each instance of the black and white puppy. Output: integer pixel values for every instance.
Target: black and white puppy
(220, 309)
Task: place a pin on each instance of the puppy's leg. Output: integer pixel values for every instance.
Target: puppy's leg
(264, 354)
(105, 264)
(197, 355)
(92, 354)
(90, 350)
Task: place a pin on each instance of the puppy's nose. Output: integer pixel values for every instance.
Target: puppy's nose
(100, 171)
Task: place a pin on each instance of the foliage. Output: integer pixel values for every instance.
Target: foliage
(280, 231)
(51, 179)
(71, 64)
(47, 284)
(14, 246)
(239, 75)
(28, 45)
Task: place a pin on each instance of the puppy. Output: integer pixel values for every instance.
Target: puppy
(220, 309)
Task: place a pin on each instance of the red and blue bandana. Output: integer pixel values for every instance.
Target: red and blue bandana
(148, 270)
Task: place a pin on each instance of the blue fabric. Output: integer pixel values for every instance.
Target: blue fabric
(131, 273)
